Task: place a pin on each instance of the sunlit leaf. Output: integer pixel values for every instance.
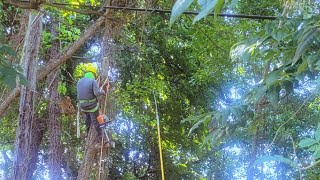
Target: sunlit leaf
(204, 12)
(218, 7)
(278, 158)
(237, 111)
(302, 67)
(305, 42)
(273, 94)
(312, 148)
(307, 142)
(200, 121)
(232, 4)
(259, 93)
(202, 3)
(279, 34)
(316, 154)
(273, 77)
(179, 7)
(317, 134)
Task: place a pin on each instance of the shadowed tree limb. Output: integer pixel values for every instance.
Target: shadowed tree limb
(55, 62)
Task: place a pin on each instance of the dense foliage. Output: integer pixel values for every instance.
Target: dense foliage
(237, 98)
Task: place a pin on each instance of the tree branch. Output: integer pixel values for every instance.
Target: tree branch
(310, 166)
(56, 62)
(71, 9)
(24, 4)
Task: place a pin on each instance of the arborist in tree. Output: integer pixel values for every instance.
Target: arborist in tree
(88, 93)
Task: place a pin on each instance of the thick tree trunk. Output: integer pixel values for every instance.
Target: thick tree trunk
(27, 137)
(56, 62)
(55, 171)
(90, 157)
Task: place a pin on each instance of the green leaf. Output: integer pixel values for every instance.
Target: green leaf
(312, 148)
(279, 158)
(273, 94)
(317, 134)
(209, 8)
(179, 7)
(316, 154)
(237, 111)
(200, 121)
(302, 67)
(62, 88)
(273, 77)
(305, 42)
(268, 28)
(183, 165)
(218, 7)
(7, 49)
(8, 74)
(214, 136)
(202, 3)
(225, 114)
(307, 142)
(279, 34)
(196, 118)
(232, 4)
(259, 93)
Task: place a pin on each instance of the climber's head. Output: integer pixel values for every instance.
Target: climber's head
(91, 72)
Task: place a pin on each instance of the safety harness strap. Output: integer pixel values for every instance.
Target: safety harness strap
(91, 110)
(87, 101)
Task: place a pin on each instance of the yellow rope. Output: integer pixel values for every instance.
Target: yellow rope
(159, 138)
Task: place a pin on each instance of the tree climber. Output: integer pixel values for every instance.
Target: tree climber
(88, 93)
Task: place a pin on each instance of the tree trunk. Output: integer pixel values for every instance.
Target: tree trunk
(27, 134)
(55, 171)
(90, 156)
(27, 140)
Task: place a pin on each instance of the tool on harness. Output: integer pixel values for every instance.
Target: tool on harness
(103, 121)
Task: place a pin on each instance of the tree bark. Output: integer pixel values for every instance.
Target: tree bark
(56, 62)
(27, 138)
(90, 156)
(55, 172)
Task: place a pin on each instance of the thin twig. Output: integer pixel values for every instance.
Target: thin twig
(295, 155)
(64, 7)
(310, 166)
(278, 130)
(209, 38)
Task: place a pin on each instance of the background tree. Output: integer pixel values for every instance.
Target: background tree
(236, 97)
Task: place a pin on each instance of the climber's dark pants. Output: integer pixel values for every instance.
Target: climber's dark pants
(91, 118)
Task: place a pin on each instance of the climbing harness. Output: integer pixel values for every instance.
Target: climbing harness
(87, 101)
(89, 110)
